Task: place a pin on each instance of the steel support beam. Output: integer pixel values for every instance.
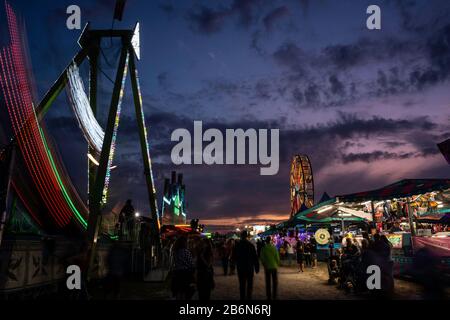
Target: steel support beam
(95, 196)
(93, 77)
(58, 86)
(144, 146)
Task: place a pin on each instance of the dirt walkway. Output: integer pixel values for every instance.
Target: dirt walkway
(309, 285)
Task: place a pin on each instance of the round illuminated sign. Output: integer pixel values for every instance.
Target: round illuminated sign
(322, 236)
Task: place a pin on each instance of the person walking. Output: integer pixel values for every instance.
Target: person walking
(117, 265)
(313, 249)
(205, 270)
(307, 254)
(128, 212)
(259, 245)
(270, 259)
(289, 253)
(224, 255)
(182, 270)
(300, 252)
(247, 264)
(231, 257)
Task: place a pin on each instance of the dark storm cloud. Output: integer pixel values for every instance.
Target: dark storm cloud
(298, 96)
(363, 50)
(374, 156)
(337, 87)
(328, 135)
(344, 56)
(291, 56)
(339, 73)
(331, 137)
(346, 125)
(311, 95)
(230, 183)
(223, 86)
(435, 69)
(275, 15)
(392, 65)
(413, 20)
(263, 89)
(394, 144)
(245, 10)
(407, 16)
(426, 141)
(206, 20)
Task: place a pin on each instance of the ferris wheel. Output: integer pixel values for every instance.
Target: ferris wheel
(302, 183)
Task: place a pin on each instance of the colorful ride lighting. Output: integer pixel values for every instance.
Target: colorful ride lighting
(16, 88)
(92, 130)
(166, 200)
(94, 161)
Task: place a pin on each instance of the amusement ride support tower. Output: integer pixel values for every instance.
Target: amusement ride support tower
(89, 42)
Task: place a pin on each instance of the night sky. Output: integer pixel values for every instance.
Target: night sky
(368, 107)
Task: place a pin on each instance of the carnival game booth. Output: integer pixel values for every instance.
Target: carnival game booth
(328, 222)
(410, 213)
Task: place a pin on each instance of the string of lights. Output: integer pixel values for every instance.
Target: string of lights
(36, 153)
(116, 126)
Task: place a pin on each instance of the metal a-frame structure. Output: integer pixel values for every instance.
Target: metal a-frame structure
(90, 48)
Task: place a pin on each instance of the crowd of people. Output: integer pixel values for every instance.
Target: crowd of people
(191, 267)
(348, 265)
(192, 262)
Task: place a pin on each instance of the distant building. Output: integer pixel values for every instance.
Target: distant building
(174, 205)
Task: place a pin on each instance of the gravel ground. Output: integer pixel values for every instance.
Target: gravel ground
(309, 285)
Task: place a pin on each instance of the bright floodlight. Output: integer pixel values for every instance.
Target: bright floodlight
(137, 214)
(136, 42)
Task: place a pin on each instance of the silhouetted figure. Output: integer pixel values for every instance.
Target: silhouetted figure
(247, 264)
(313, 250)
(259, 245)
(127, 214)
(307, 254)
(182, 269)
(270, 259)
(232, 258)
(381, 249)
(205, 270)
(300, 253)
(425, 269)
(117, 263)
(224, 255)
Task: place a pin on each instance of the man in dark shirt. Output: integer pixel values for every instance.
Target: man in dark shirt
(247, 263)
(127, 214)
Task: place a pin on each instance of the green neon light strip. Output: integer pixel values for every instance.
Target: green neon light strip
(65, 194)
(61, 185)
